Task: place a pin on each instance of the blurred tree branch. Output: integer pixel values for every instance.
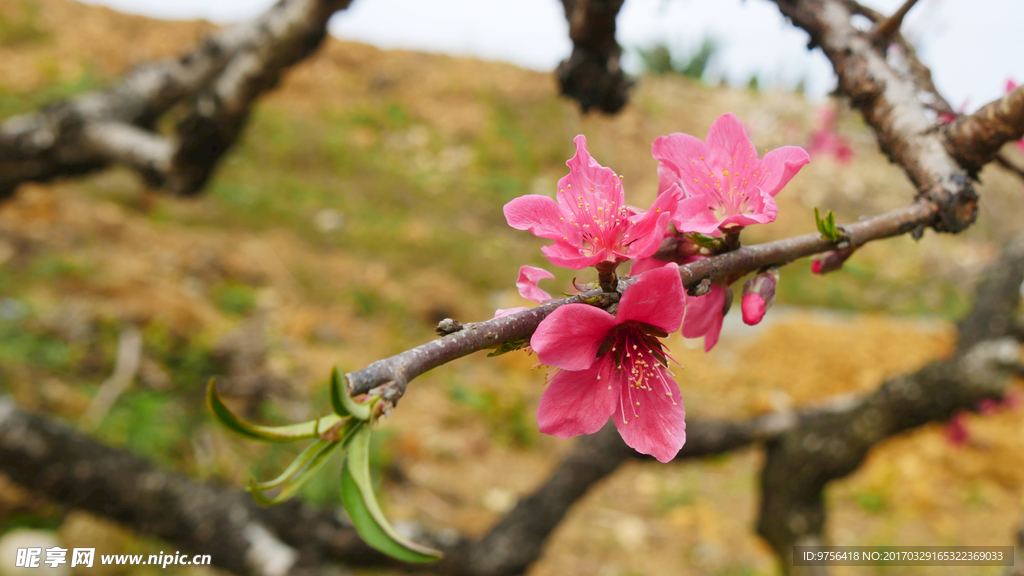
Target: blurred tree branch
(207, 518)
(217, 82)
(592, 75)
(830, 445)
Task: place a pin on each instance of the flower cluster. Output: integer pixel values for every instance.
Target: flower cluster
(613, 364)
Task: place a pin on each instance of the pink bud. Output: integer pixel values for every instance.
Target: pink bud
(754, 308)
(831, 261)
(759, 295)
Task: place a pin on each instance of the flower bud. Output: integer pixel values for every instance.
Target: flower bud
(831, 261)
(759, 295)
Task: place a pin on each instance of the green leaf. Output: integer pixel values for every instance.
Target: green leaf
(508, 346)
(362, 507)
(343, 437)
(305, 466)
(342, 403)
(827, 226)
(288, 433)
(703, 240)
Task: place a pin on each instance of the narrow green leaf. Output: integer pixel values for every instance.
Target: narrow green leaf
(508, 346)
(312, 460)
(301, 461)
(362, 507)
(288, 433)
(342, 403)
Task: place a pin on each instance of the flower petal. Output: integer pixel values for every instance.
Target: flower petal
(589, 179)
(566, 255)
(570, 337)
(538, 214)
(694, 215)
(578, 402)
(714, 331)
(668, 176)
(648, 229)
(652, 421)
(728, 138)
(657, 299)
(780, 165)
(679, 155)
(638, 267)
(704, 316)
(527, 283)
(507, 311)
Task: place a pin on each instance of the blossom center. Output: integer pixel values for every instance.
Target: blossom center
(642, 362)
(601, 218)
(728, 188)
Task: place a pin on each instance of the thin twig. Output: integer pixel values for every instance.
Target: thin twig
(126, 366)
(883, 31)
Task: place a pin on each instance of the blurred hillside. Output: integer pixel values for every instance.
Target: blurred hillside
(363, 204)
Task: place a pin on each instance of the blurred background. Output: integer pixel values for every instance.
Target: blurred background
(362, 205)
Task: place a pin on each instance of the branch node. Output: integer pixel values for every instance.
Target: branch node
(884, 31)
(448, 326)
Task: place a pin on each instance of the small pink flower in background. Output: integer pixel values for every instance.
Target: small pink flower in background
(826, 141)
(590, 223)
(946, 117)
(527, 286)
(956, 430)
(616, 367)
(988, 407)
(733, 186)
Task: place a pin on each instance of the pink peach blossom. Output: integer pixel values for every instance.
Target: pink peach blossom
(826, 141)
(704, 314)
(590, 223)
(615, 367)
(735, 188)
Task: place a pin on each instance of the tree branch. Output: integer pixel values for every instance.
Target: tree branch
(292, 538)
(219, 79)
(975, 139)
(829, 445)
(891, 101)
(592, 75)
(203, 518)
